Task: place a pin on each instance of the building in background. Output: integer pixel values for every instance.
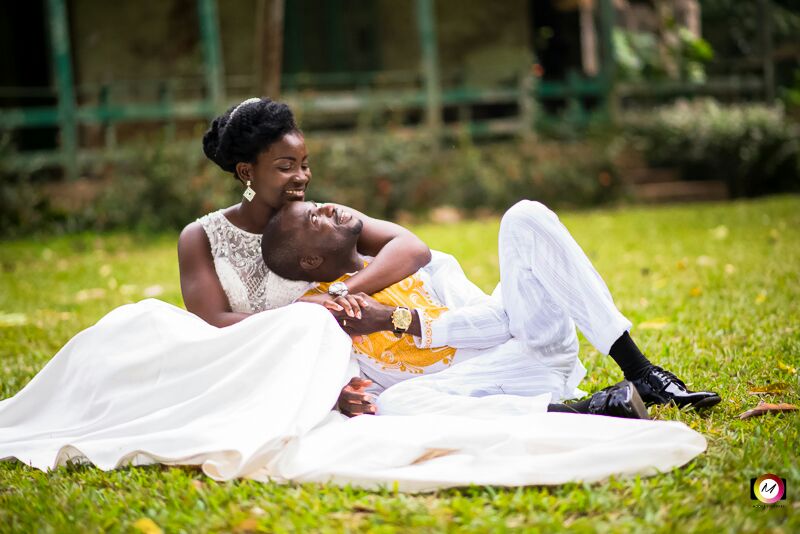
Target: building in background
(80, 78)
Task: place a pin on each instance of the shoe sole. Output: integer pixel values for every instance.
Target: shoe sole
(708, 402)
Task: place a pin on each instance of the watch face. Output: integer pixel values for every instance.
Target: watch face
(401, 318)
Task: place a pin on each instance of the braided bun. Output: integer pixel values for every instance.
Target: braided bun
(244, 131)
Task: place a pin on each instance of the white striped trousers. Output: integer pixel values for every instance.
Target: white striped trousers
(548, 286)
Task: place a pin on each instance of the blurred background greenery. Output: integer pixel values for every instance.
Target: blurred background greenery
(411, 108)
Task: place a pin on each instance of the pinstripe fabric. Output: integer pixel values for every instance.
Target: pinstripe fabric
(517, 348)
(548, 282)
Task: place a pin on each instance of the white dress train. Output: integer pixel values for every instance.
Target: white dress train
(151, 382)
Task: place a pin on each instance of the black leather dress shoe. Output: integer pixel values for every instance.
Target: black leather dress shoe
(659, 386)
(619, 400)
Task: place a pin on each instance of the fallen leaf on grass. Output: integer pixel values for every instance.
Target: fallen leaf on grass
(706, 261)
(13, 319)
(361, 509)
(764, 407)
(248, 525)
(46, 318)
(153, 291)
(90, 294)
(696, 291)
(720, 232)
(788, 368)
(147, 526)
(655, 324)
(128, 289)
(729, 268)
(777, 387)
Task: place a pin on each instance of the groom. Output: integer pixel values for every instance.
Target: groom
(464, 343)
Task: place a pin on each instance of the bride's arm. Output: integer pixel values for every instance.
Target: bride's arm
(398, 254)
(202, 292)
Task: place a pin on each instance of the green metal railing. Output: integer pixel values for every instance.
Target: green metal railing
(67, 115)
(424, 91)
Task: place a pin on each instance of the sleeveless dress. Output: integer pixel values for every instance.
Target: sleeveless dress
(248, 284)
(153, 383)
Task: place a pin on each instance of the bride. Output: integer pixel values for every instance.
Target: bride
(242, 384)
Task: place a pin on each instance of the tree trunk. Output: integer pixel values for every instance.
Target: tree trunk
(588, 38)
(269, 47)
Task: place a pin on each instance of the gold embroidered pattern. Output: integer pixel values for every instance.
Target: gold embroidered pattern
(402, 353)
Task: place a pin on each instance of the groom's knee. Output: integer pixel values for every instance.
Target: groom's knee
(526, 213)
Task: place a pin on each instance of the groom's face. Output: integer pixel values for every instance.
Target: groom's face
(323, 229)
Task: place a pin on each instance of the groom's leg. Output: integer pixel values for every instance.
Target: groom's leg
(547, 280)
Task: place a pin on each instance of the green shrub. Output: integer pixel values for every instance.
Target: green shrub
(165, 187)
(154, 188)
(384, 174)
(752, 147)
(376, 173)
(23, 206)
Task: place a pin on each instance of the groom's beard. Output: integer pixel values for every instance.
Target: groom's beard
(357, 227)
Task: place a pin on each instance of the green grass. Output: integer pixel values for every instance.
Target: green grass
(715, 288)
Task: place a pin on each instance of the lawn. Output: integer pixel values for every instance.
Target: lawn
(714, 290)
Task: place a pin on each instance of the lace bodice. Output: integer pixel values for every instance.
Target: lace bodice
(248, 284)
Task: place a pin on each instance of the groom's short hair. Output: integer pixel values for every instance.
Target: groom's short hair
(279, 249)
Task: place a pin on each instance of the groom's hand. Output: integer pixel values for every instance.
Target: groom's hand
(353, 400)
(375, 317)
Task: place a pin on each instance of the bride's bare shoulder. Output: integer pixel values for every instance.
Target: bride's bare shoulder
(193, 241)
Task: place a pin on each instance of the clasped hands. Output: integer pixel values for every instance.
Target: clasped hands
(358, 314)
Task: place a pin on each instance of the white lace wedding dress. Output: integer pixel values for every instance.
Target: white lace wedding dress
(151, 382)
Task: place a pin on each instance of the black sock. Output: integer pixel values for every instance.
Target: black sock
(629, 358)
(572, 407)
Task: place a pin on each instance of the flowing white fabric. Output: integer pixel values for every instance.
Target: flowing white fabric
(151, 382)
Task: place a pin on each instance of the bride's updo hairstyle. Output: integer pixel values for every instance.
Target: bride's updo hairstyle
(244, 131)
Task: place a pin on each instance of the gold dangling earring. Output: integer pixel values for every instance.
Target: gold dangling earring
(249, 193)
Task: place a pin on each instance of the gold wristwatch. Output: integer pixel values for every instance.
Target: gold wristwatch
(401, 320)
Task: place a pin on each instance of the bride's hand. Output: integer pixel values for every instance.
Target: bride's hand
(375, 317)
(353, 400)
(349, 305)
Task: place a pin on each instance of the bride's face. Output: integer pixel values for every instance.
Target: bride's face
(281, 173)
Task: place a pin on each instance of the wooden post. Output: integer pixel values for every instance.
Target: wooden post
(588, 38)
(62, 66)
(527, 105)
(109, 130)
(426, 25)
(212, 55)
(765, 11)
(608, 67)
(269, 47)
